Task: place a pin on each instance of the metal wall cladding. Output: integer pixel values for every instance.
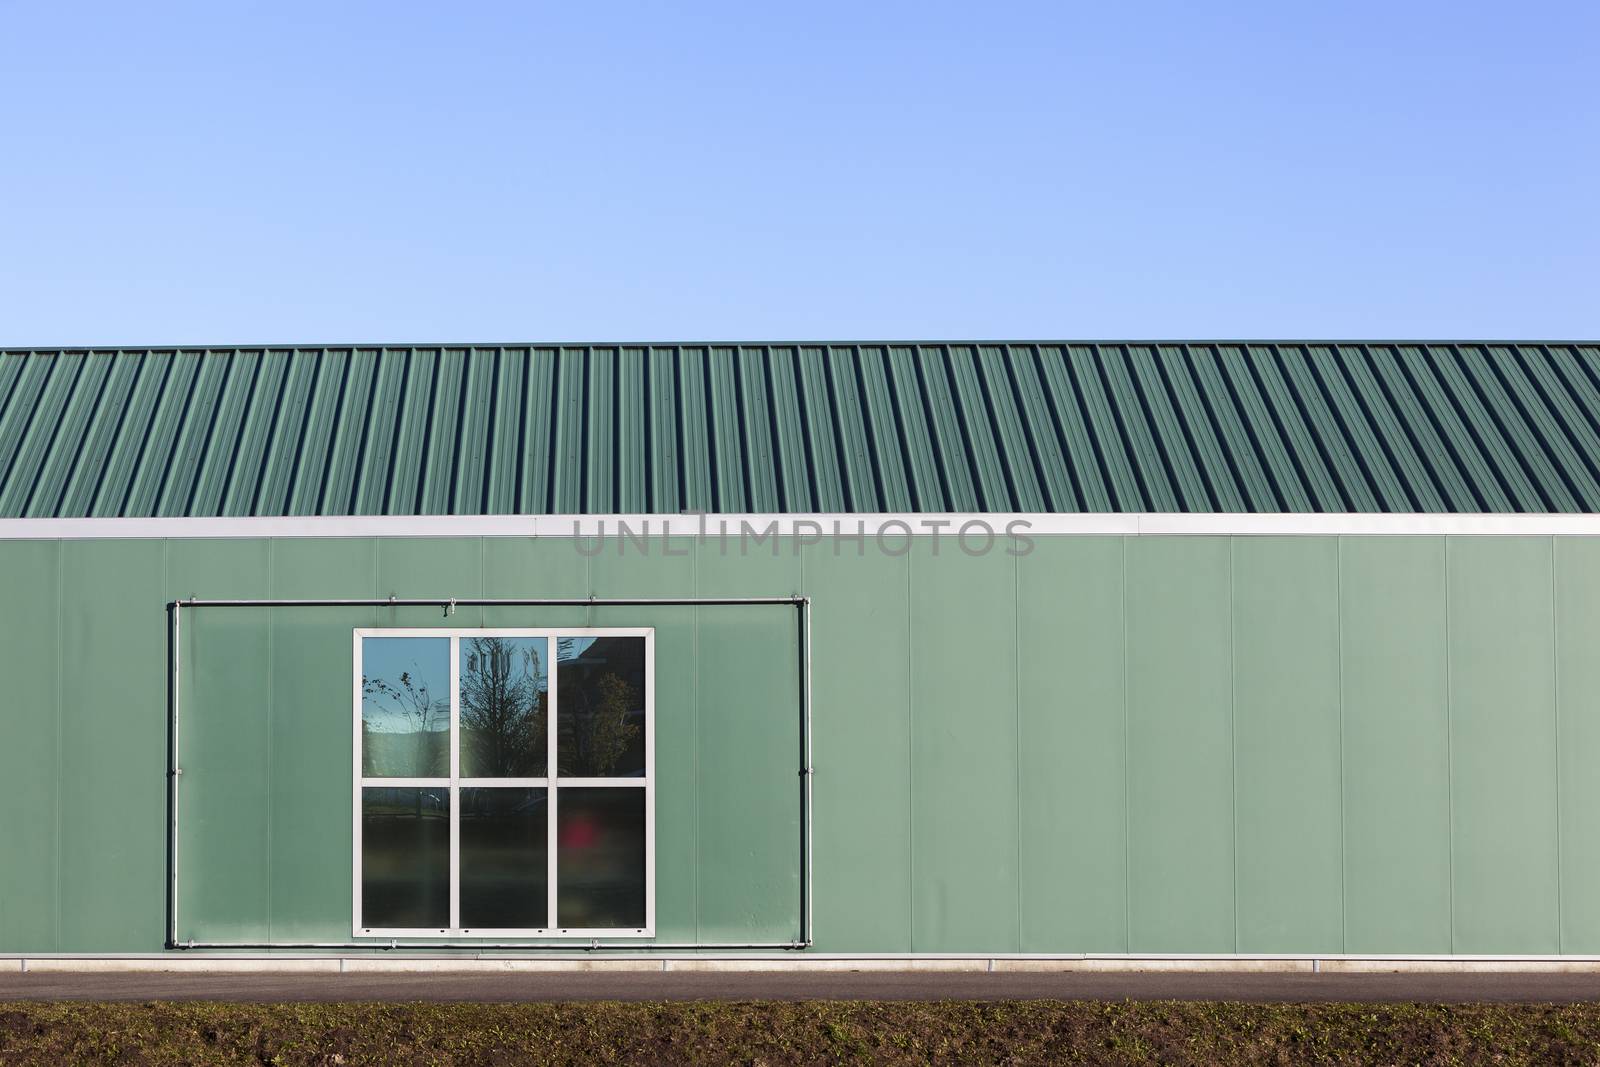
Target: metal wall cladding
(1046, 427)
(1113, 744)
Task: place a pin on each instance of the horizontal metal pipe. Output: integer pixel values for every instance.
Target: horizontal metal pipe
(719, 946)
(472, 602)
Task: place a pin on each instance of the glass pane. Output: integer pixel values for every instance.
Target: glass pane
(503, 858)
(405, 707)
(600, 706)
(600, 863)
(405, 858)
(503, 707)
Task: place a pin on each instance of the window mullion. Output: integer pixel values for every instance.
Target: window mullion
(455, 782)
(552, 700)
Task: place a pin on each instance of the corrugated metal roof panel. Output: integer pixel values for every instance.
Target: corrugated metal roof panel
(1048, 426)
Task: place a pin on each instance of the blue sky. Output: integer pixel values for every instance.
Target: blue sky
(284, 172)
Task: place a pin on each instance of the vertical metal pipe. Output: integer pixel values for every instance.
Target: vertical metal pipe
(174, 772)
(806, 935)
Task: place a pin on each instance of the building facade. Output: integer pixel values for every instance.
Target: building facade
(907, 650)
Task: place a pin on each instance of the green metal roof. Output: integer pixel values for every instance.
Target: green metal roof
(881, 427)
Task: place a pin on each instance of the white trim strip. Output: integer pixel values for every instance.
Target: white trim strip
(466, 960)
(470, 951)
(893, 528)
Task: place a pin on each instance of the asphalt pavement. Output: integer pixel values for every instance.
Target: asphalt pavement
(653, 986)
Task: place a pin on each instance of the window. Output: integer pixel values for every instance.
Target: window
(504, 783)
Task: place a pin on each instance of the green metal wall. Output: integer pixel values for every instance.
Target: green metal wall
(1201, 744)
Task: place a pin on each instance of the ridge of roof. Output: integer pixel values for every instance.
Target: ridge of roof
(1165, 342)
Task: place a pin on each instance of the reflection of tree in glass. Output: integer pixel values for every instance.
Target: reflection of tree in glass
(503, 709)
(425, 717)
(593, 724)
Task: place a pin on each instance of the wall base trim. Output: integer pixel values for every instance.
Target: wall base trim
(192, 962)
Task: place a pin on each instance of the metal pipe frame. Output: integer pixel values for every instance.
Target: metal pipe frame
(448, 604)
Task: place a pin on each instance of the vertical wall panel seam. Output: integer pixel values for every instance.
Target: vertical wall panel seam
(694, 732)
(1344, 874)
(1449, 741)
(807, 892)
(1233, 725)
(166, 585)
(1016, 708)
(61, 611)
(911, 755)
(271, 806)
(1555, 679)
(1127, 769)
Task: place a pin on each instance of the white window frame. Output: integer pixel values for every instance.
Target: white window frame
(553, 783)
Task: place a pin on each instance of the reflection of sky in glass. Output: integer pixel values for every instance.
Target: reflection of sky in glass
(426, 659)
